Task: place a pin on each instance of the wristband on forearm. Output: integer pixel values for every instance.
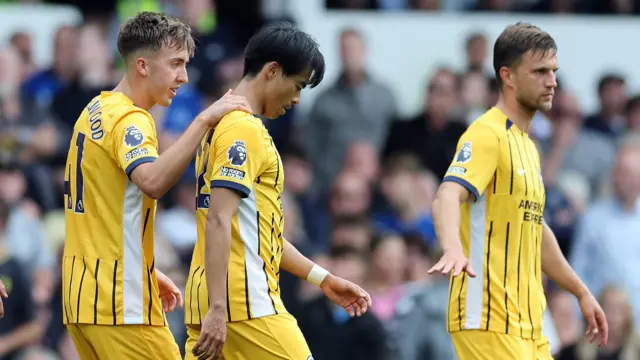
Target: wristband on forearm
(317, 275)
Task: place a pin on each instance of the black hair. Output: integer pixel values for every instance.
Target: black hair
(610, 78)
(293, 49)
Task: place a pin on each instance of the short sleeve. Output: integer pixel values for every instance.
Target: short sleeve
(240, 152)
(134, 141)
(475, 160)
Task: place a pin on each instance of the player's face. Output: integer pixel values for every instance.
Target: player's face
(535, 80)
(282, 92)
(167, 71)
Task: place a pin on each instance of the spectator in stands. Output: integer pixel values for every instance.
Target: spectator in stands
(632, 114)
(328, 329)
(357, 107)
(501, 5)
(178, 223)
(29, 133)
(571, 144)
(294, 232)
(419, 325)
(19, 327)
(387, 273)
(298, 176)
(568, 324)
(561, 214)
(351, 195)
(353, 231)
(612, 93)
(21, 42)
(426, 4)
(362, 158)
(474, 91)
(608, 233)
(216, 38)
(623, 343)
(24, 236)
(45, 84)
(95, 74)
(407, 213)
(432, 135)
(476, 50)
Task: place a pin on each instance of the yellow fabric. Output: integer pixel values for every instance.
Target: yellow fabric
(127, 342)
(240, 155)
(501, 231)
(108, 262)
(267, 338)
(488, 345)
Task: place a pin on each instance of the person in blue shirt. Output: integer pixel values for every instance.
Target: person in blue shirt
(408, 190)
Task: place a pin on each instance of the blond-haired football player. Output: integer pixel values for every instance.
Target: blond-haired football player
(114, 299)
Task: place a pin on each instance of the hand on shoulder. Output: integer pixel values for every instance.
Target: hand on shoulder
(226, 104)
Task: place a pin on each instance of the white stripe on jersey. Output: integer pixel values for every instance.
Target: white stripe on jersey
(132, 270)
(258, 289)
(477, 232)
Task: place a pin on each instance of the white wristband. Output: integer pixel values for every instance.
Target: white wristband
(317, 275)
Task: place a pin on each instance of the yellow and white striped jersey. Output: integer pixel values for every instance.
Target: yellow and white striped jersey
(108, 264)
(240, 155)
(501, 232)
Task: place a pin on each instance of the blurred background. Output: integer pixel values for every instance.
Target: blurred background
(363, 156)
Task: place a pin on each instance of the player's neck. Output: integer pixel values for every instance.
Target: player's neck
(250, 89)
(136, 95)
(520, 116)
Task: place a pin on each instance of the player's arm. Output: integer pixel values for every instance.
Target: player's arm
(344, 293)
(135, 147)
(236, 157)
(555, 265)
(466, 180)
(154, 174)
(224, 206)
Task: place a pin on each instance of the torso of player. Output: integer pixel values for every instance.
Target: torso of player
(501, 231)
(108, 252)
(252, 165)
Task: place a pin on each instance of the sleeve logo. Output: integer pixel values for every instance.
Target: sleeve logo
(237, 153)
(464, 155)
(458, 170)
(132, 136)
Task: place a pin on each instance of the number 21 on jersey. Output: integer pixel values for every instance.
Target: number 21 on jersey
(75, 165)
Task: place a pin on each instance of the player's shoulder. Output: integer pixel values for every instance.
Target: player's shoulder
(115, 107)
(240, 121)
(492, 122)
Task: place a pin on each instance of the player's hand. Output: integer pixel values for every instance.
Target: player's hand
(346, 294)
(169, 292)
(223, 106)
(596, 319)
(3, 294)
(452, 261)
(213, 335)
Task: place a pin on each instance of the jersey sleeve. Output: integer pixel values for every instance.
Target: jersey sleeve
(239, 154)
(134, 141)
(476, 159)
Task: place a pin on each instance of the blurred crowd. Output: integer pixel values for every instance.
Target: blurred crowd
(597, 7)
(359, 184)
